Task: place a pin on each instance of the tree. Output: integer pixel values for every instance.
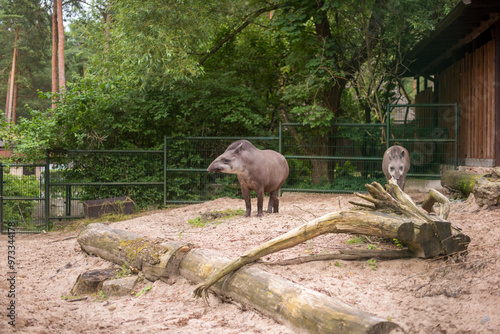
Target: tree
(344, 40)
(23, 35)
(157, 67)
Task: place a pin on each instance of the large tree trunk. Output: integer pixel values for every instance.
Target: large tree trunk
(392, 214)
(282, 300)
(60, 48)
(54, 54)
(14, 103)
(10, 90)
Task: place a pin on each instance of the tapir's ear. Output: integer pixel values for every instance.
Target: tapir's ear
(389, 155)
(402, 154)
(239, 148)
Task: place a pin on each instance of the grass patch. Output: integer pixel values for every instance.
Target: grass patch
(215, 217)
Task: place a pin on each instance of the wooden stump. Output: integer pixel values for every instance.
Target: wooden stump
(91, 281)
(487, 189)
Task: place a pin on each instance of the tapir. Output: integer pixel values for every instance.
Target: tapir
(396, 164)
(263, 171)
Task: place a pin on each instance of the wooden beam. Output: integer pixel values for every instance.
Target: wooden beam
(485, 25)
(497, 94)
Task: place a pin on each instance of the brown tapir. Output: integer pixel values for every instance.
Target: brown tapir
(263, 171)
(396, 164)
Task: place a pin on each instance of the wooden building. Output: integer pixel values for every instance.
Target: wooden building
(460, 63)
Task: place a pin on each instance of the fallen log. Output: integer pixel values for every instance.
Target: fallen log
(391, 214)
(485, 187)
(354, 254)
(282, 300)
(461, 181)
(157, 259)
(286, 302)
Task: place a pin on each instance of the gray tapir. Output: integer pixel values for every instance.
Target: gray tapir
(263, 171)
(396, 164)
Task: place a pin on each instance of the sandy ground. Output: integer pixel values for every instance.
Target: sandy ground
(422, 296)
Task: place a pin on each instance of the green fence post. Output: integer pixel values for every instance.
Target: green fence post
(1, 198)
(388, 125)
(280, 138)
(47, 196)
(165, 171)
(456, 135)
(68, 200)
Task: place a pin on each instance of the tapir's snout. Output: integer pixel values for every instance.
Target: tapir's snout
(214, 168)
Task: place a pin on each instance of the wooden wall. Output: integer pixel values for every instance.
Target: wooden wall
(470, 82)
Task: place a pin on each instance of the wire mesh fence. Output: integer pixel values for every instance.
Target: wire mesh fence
(187, 159)
(78, 176)
(342, 159)
(429, 133)
(22, 206)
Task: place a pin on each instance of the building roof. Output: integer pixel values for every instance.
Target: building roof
(468, 21)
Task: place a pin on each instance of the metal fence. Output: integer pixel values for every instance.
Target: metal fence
(429, 132)
(23, 205)
(187, 159)
(341, 160)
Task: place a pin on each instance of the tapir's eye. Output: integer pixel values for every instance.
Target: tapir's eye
(392, 169)
(401, 168)
(225, 161)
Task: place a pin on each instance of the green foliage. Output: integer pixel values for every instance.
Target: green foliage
(144, 290)
(111, 167)
(372, 263)
(20, 186)
(30, 22)
(354, 240)
(215, 217)
(124, 271)
(397, 243)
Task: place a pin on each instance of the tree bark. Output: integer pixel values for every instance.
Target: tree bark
(91, 281)
(282, 300)
(60, 48)
(392, 214)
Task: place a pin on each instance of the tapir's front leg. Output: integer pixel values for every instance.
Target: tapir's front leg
(246, 196)
(260, 201)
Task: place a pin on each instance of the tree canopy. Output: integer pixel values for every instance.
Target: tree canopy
(140, 70)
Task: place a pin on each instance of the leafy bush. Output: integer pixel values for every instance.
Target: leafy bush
(20, 186)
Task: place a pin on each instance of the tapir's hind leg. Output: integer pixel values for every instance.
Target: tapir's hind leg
(273, 202)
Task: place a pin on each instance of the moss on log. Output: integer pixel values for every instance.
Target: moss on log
(156, 258)
(463, 182)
